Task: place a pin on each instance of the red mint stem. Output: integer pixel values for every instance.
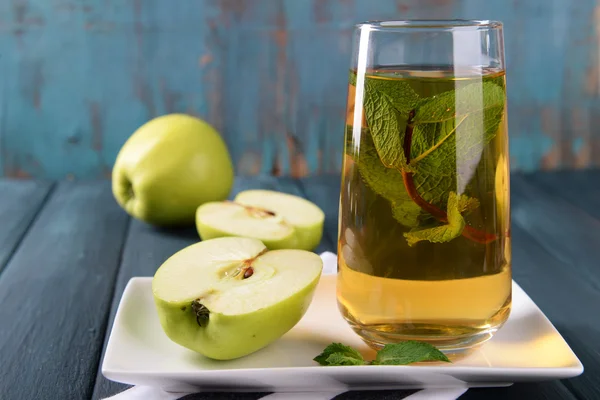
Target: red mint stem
(469, 232)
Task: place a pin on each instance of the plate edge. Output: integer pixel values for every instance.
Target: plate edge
(136, 280)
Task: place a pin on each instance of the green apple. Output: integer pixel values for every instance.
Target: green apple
(279, 220)
(170, 166)
(226, 298)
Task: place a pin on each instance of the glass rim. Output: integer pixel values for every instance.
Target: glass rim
(425, 24)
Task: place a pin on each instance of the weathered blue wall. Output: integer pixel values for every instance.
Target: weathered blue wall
(78, 77)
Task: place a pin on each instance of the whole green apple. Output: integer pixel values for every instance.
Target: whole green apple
(228, 297)
(168, 167)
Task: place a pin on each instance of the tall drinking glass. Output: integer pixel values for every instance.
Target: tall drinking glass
(424, 241)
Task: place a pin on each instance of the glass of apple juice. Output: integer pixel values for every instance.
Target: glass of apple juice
(424, 247)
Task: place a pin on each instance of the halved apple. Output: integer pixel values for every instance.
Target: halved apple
(279, 220)
(226, 298)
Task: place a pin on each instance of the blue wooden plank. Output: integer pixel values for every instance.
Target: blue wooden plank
(566, 280)
(581, 188)
(55, 294)
(20, 202)
(146, 248)
(566, 231)
(79, 77)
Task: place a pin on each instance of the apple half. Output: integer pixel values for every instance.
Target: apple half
(226, 298)
(279, 220)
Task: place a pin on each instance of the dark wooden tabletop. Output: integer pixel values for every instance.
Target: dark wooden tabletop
(67, 250)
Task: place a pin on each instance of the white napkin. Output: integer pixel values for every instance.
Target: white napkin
(329, 268)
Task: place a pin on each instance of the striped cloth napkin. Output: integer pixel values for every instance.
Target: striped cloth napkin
(329, 267)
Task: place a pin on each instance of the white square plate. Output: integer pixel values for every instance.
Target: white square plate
(527, 348)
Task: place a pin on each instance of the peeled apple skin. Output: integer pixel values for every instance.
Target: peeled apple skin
(227, 337)
(169, 166)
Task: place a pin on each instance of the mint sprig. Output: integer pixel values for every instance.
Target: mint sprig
(416, 150)
(403, 353)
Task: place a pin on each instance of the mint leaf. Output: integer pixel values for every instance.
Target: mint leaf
(342, 359)
(464, 101)
(339, 354)
(387, 126)
(392, 354)
(400, 93)
(407, 213)
(449, 134)
(408, 352)
(443, 233)
(387, 105)
(386, 182)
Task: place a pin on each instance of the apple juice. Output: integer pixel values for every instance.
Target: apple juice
(424, 234)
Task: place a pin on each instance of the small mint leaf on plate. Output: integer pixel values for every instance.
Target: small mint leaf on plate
(343, 359)
(339, 354)
(408, 352)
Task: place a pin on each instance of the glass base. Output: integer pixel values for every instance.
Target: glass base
(450, 340)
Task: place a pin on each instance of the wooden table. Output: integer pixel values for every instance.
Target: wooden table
(67, 250)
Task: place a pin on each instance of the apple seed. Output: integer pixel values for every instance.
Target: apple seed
(248, 272)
